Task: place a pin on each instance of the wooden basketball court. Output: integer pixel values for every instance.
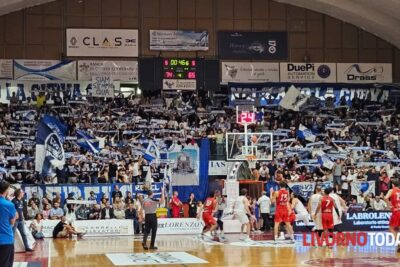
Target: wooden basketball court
(92, 251)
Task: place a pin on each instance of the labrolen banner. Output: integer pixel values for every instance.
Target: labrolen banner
(44, 70)
(124, 71)
(364, 72)
(102, 43)
(308, 72)
(249, 72)
(6, 69)
(358, 221)
(263, 94)
(253, 45)
(169, 40)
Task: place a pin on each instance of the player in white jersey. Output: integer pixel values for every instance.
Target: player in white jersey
(313, 203)
(338, 212)
(299, 209)
(242, 212)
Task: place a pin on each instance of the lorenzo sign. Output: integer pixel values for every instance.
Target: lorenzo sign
(102, 43)
(179, 226)
(364, 72)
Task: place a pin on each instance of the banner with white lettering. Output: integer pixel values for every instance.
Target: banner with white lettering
(357, 221)
(302, 189)
(308, 72)
(102, 86)
(249, 72)
(44, 70)
(31, 89)
(263, 94)
(170, 40)
(84, 190)
(125, 71)
(98, 228)
(364, 72)
(6, 69)
(102, 43)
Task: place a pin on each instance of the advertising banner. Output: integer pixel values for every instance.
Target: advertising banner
(308, 72)
(44, 70)
(364, 72)
(247, 72)
(218, 167)
(179, 84)
(25, 89)
(253, 45)
(125, 71)
(102, 43)
(102, 228)
(102, 87)
(181, 226)
(264, 94)
(169, 40)
(358, 221)
(83, 190)
(6, 69)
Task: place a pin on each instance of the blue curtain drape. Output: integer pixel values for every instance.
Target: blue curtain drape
(201, 190)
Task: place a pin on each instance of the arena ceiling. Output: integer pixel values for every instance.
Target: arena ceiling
(380, 18)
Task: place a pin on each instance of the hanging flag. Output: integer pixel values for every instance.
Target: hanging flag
(152, 152)
(302, 189)
(293, 99)
(365, 187)
(305, 133)
(49, 145)
(324, 160)
(87, 141)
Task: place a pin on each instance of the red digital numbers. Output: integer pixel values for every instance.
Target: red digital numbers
(193, 63)
(168, 74)
(191, 75)
(166, 62)
(247, 117)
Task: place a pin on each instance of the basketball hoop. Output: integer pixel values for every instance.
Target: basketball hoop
(252, 161)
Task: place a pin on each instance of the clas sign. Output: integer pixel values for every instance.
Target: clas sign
(102, 42)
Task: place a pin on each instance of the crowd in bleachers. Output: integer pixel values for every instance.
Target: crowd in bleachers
(353, 142)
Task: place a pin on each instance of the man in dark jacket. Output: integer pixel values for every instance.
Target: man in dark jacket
(107, 212)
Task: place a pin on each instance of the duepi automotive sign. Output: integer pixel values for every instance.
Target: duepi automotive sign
(364, 72)
(102, 43)
(308, 72)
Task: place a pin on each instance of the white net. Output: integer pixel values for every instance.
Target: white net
(252, 161)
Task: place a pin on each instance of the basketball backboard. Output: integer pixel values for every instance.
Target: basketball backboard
(239, 146)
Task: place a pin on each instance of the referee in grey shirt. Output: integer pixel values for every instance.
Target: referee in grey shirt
(150, 205)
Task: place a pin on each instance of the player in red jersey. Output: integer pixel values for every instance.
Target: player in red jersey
(393, 199)
(208, 210)
(326, 206)
(282, 210)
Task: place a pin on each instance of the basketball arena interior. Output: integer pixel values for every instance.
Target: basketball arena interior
(199, 133)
